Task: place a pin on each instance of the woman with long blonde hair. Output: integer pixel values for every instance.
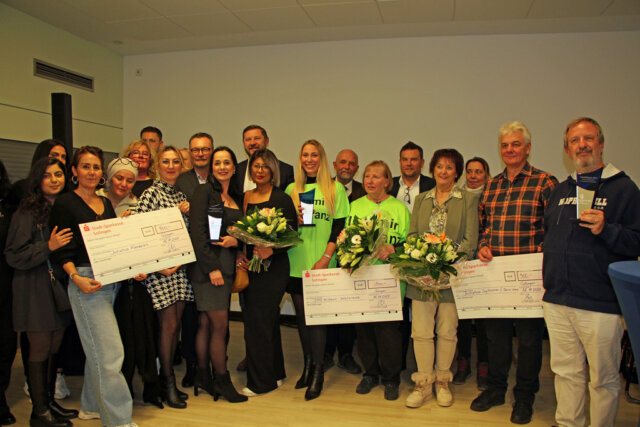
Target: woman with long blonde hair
(331, 207)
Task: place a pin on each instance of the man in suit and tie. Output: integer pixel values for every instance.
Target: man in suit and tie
(343, 337)
(254, 138)
(200, 153)
(346, 167)
(411, 182)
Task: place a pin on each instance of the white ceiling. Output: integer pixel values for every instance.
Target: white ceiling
(147, 26)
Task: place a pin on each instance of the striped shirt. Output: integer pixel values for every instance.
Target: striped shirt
(511, 213)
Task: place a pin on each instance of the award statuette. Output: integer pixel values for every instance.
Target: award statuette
(214, 215)
(306, 202)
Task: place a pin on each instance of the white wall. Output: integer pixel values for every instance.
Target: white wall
(374, 95)
(25, 100)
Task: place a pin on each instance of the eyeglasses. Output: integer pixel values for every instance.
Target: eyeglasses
(260, 167)
(407, 196)
(205, 150)
(140, 153)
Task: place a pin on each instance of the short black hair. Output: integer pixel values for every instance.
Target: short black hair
(411, 146)
(201, 135)
(151, 129)
(451, 154)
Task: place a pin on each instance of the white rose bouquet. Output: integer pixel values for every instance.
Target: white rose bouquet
(426, 262)
(359, 241)
(264, 227)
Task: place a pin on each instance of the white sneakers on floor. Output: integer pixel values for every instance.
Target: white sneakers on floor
(88, 415)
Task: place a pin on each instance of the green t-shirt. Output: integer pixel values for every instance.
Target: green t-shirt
(305, 255)
(391, 208)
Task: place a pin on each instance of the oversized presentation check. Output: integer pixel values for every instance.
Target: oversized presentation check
(508, 286)
(332, 296)
(121, 248)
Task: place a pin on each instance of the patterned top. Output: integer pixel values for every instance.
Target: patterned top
(438, 218)
(511, 213)
(165, 290)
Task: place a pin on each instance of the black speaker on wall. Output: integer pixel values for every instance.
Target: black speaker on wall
(61, 119)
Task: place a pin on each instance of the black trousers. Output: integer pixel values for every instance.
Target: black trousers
(189, 331)
(500, 338)
(8, 340)
(380, 350)
(261, 314)
(340, 337)
(465, 335)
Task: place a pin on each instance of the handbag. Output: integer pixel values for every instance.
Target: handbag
(59, 291)
(241, 281)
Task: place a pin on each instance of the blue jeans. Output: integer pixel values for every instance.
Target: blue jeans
(105, 389)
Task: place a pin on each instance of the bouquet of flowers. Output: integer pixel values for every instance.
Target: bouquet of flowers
(426, 262)
(358, 242)
(265, 227)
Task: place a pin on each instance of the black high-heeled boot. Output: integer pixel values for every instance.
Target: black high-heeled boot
(57, 410)
(181, 394)
(306, 373)
(169, 392)
(316, 383)
(203, 380)
(222, 386)
(41, 415)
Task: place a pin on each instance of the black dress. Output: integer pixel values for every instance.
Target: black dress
(265, 361)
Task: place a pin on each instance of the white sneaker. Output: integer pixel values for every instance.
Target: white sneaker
(88, 415)
(248, 392)
(443, 394)
(62, 391)
(420, 394)
(279, 383)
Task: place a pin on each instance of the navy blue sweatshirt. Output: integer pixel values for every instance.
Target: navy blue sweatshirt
(575, 260)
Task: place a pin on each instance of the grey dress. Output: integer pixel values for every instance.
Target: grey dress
(208, 296)
(26, 251)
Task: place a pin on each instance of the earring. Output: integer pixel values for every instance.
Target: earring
(74, 179)
(102, 181)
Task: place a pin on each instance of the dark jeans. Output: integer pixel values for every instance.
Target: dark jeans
(379, 348)
(465, 335)
(500, 338)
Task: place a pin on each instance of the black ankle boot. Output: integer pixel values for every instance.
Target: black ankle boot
(151, 394)
(306, 373)
(316, 383)
(170, 392)
(57, 410)
(38, 380)
(222, 386)
(203, 380)
(6, 417)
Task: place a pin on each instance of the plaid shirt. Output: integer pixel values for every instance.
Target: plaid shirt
(512, 213)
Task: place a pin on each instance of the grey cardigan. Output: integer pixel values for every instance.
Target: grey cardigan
(462, 228)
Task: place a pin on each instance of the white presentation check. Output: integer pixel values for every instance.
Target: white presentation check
(331, 296)
(121, 248)
(508, 286)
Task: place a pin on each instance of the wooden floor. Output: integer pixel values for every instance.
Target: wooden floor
(338, 405)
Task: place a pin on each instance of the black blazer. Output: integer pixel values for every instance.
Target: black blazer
(286, 175)
(357, 191)
(187, 183)
(426, 183)
(207, 255)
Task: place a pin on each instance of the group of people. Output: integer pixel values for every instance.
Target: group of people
(131, 324)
